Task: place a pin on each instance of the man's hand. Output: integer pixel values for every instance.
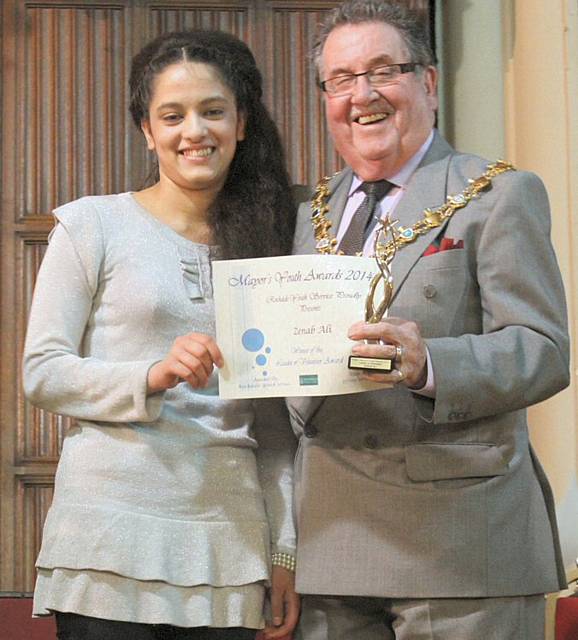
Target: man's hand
(398, 339)
(285, 604)
(191, 358)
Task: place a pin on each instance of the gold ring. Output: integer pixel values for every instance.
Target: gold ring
(398, 353)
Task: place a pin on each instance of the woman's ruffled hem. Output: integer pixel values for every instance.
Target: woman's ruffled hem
(109, 596)
(143, 547)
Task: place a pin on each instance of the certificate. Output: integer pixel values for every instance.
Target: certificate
(282, 324)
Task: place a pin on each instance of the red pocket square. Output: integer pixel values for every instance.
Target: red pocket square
(449, 243)
(445, 245)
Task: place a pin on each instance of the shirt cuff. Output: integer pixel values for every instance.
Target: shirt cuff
(429, 388)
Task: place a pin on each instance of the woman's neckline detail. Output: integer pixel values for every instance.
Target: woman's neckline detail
(172, 235)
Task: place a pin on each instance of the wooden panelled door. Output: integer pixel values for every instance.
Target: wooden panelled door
(65, 133)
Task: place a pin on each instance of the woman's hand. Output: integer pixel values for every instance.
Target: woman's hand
(285, 604)
(191, 358)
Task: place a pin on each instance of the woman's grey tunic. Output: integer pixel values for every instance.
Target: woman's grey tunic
(161, 512)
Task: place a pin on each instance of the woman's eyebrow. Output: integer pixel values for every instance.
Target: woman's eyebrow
(179, 105)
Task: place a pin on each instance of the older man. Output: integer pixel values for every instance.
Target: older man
(423, 512)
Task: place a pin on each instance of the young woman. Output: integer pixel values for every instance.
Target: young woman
(161, 526)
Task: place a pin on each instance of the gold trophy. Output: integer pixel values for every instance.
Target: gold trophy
(384, 254)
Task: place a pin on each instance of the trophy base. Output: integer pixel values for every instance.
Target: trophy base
(378, 365)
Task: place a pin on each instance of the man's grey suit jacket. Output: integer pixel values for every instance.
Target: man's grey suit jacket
(402, 496)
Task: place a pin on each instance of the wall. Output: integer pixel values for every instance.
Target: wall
(511, 89)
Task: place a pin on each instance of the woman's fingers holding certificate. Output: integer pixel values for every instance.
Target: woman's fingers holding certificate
(395, 339)
(191, 358)
(196, 354)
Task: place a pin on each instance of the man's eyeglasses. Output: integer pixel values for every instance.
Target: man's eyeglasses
(377, 77)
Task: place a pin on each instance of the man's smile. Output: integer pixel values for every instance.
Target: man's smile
(370, 118)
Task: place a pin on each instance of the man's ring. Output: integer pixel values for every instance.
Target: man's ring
(398, 353)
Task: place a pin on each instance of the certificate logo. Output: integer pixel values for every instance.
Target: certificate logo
(253, 340)
(310, 380)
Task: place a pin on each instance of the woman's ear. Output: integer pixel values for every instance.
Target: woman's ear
(241, 124)
(145, 126)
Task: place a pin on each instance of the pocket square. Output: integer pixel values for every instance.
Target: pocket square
(444, 245)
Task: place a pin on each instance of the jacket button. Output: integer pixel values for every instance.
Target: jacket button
(371, 441)
(429, 291)
(310, 431)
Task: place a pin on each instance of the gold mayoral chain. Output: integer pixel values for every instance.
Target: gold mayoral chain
(432, 217)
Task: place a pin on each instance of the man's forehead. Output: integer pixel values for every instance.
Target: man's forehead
(367, 44)
(350, 66)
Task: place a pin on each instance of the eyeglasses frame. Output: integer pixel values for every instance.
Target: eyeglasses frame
(404, 67)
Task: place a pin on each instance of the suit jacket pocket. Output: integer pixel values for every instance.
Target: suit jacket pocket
(432, 461)
(437, 294)
(444, 292)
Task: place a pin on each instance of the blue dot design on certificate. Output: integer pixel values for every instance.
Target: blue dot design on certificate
(253, 340)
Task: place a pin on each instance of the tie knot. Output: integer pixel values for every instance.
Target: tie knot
(376, 189)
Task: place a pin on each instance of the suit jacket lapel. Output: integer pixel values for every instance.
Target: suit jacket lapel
(426, 188)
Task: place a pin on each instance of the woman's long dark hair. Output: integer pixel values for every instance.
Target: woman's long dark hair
(254, 213)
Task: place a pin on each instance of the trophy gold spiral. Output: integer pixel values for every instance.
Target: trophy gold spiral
(375, 308)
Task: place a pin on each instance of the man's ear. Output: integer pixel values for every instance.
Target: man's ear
(430, 82)
(145, 126)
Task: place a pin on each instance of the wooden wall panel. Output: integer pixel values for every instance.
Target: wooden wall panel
(72, 92)
(233, 18)
(39, 433)
(295, 101)
(33, 497)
